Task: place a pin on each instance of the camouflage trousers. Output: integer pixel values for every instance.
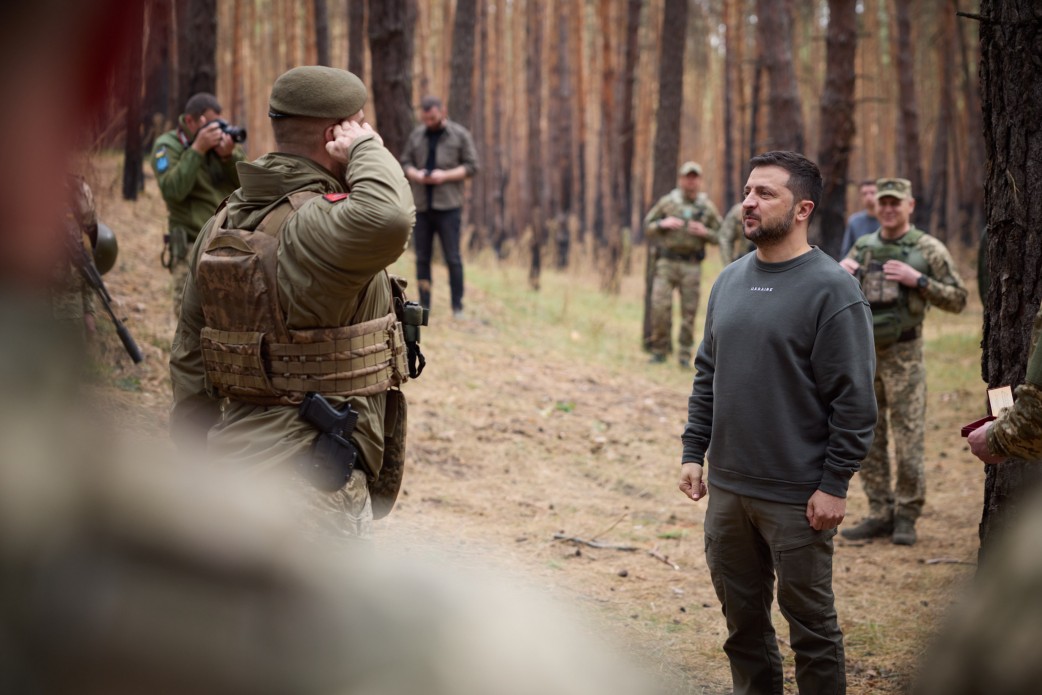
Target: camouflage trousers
(901, 396)
(671, 274)
(346, 514)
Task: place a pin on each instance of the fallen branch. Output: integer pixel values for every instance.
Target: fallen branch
(595, 544)
(662, 558)
(948, 561)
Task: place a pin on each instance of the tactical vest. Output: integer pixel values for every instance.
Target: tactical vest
(897, 311)
(249, 353)
(678, 243)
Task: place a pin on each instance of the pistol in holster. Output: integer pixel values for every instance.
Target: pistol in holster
(332, 456)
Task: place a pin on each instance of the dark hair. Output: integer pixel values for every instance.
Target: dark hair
(804, 176)
(428, 103)
(200, 103)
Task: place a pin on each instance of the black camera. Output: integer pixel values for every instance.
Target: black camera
(236, 133)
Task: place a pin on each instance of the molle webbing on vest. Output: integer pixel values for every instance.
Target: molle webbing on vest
(251, 355)
(359, 360)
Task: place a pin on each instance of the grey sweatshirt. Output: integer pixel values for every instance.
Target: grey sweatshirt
(783, 402)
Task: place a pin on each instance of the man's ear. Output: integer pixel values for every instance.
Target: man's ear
(804, 209)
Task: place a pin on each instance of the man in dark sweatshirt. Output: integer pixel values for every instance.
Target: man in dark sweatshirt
(783, 407)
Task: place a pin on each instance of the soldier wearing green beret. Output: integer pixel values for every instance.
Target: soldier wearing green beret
(194, 166)
(903, 270)
(680, 224)
(288, 302)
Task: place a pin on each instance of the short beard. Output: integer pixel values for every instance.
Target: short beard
(772, 234)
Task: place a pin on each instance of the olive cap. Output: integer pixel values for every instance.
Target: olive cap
(690, 168)
(894, 188)
(316, 91)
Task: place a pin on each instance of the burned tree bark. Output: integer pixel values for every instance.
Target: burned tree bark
(356, 36)
(391, 26)
(196, 48)
(461, 84)
(785, 123)
(1010, 33)
(837, 124)
(911, 150)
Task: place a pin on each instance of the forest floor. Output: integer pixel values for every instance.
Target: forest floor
(538, 416)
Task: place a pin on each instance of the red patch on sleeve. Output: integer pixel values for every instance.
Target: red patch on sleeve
(335, 197)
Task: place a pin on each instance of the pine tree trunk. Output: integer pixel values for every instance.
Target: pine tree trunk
(533, 77)
(196, 49)
(911, 160)
(1013, 205)
(837, 124)
(461, 84)
(321, 12)
(391, 26)
(627, 125)
(356, 37)
(133, 177)
(785, 120)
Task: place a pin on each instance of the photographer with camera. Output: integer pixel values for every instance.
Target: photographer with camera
(195, 169)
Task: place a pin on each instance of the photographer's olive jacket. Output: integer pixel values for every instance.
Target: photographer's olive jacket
(192, 185)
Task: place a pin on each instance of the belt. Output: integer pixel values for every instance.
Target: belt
(909, 335)
(692, 257)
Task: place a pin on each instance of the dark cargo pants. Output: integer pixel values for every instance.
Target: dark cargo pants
(446, 225)
(749, 541)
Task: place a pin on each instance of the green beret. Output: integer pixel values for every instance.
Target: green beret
(316, 91)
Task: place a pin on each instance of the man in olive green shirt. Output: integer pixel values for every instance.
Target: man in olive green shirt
(352, 213)
(195, 169)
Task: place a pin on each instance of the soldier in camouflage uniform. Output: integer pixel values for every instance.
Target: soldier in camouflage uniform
(1017, 433)
(902, 270)
(679, 225)
(314, 314)
(733, 244)
(195, 169)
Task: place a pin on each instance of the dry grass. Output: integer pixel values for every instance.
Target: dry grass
(538, 415)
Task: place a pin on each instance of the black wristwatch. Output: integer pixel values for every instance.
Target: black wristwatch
(922, 282)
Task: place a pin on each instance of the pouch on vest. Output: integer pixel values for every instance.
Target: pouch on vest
(384, 490)
(886, 327)
(879, 291)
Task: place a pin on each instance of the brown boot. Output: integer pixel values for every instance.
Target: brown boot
(904, 531)
(869, 528)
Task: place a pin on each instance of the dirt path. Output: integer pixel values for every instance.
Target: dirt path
(509, 447)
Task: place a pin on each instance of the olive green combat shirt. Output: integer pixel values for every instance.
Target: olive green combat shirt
(193, 185)
(681, 241)
(1017, 433)
(331, 261)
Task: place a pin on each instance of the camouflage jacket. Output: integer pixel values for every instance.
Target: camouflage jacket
(193, 185)
(944, 289)
(731, 232)
(1017, 433)
(674, 204)
(332, 253)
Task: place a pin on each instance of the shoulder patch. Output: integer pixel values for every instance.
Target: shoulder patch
(162, 163)
(335, 197)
